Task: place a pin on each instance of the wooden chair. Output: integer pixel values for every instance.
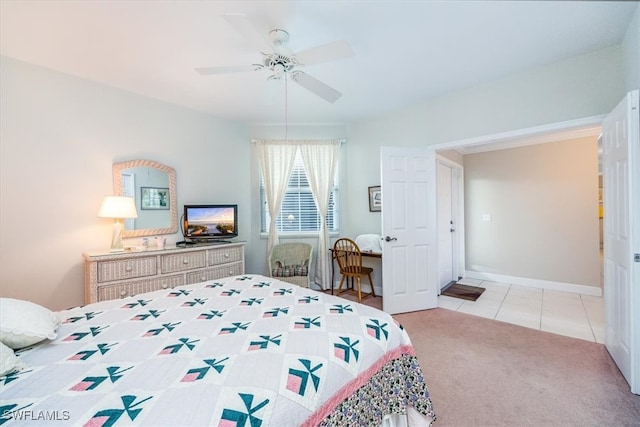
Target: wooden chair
(349, 258)
(290, 262)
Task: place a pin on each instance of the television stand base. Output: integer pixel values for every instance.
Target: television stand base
(212, 242)
(188, 243)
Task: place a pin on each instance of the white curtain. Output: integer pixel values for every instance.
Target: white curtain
(320, 160)
(276, 163)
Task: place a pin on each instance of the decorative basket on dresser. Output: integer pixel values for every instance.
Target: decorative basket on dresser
(109, 275)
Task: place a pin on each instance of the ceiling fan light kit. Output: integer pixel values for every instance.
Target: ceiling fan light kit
(278, 38)
(281, 61)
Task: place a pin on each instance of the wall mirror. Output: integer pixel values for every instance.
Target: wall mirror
(153, 186)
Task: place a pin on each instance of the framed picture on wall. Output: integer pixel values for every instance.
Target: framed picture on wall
(375, 199)
(154, 198)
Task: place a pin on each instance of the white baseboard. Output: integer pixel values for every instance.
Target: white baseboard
(595, 291)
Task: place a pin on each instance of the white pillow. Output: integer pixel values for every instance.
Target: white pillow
(23, 323)
(9, 362)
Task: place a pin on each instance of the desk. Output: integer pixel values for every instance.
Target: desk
(368, 254)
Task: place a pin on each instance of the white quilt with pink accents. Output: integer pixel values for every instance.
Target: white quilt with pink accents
(242, 351)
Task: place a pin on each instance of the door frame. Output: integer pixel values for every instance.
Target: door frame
(457, 199)
(579, 128)
(570, 129)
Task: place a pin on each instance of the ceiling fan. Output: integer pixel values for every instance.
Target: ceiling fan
(280, 61)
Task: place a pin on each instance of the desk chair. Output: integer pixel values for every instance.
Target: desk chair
(349, 258)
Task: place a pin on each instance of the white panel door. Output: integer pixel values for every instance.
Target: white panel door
(445, 225)
(621, 188)
(409, 260)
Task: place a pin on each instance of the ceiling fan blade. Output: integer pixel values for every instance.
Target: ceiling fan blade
(324, 53)
(250, 30)
(205, 71)
(316, 86)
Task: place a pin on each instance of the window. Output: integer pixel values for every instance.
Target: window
(299, 213)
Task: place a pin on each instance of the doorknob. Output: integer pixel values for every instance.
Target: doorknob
(389, 239)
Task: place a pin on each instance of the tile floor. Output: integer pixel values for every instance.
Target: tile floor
(563, 313)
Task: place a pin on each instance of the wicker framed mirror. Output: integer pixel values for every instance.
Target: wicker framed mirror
(153, 186)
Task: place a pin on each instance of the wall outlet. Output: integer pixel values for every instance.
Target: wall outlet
(486, 217)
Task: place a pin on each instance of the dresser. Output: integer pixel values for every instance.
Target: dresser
(109, 275)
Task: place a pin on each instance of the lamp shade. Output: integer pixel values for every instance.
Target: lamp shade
(118, 207)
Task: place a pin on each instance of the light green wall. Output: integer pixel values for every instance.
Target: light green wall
(580, 87)
(631, 53)
(584, 86)
(59, 136)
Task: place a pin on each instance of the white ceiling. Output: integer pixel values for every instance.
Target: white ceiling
(405, 51)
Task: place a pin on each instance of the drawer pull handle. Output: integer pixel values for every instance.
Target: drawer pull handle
(226, 255)
(203, 279)
(128, 269)
(123, 294)
(164, 286)
(185, 261)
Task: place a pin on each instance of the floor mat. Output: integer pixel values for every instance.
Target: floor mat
(459, 290)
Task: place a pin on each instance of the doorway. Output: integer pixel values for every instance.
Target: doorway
(577, 129)
(450, 220)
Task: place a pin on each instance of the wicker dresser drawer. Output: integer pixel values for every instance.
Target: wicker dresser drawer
(215, 273)
(126, 269)
(109, 275)
(184, 261)
(129, 289)
(224, 255)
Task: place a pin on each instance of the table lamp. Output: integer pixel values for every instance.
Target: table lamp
(117, 207)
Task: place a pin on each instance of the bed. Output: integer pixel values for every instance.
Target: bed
(247, 350)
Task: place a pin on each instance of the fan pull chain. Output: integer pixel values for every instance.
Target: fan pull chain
(286, 106)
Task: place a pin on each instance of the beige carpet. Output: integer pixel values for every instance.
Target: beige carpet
(481, 372)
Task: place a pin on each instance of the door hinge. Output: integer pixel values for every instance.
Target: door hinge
(636, 257)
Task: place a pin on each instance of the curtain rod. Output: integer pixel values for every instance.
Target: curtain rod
(341, 141)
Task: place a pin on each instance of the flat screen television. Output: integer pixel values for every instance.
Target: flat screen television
(210, 222)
